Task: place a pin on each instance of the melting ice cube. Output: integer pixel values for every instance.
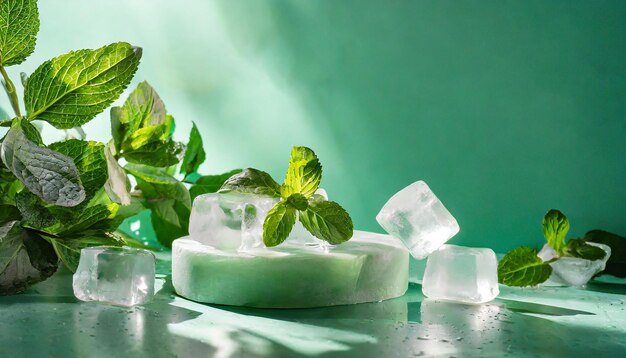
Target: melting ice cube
(417, 217)
(229, 221)
(233, 221)
(118, 275)
(462, 274)
(573, 271)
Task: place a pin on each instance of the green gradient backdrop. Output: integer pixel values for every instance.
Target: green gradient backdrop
(506, 108)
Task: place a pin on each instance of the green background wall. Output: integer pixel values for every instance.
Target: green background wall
(506, 108)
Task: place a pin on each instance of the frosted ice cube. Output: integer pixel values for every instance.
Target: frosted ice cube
(415, 216)
(462, 274)
(229, 221)
(573, 271)
(118, 275)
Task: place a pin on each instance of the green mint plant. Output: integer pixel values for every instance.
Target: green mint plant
(142, 137)
(325, 219)
(522, 267)
(59, 198)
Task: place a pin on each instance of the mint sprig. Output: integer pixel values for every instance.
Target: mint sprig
(522, 267)
(57, 199)
(325, 219)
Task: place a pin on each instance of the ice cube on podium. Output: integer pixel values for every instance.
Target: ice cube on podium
(418, 218)
(118, 275)
(229, 221)
(573, 271)
(463, 274)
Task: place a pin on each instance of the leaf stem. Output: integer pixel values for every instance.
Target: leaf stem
(10, 87)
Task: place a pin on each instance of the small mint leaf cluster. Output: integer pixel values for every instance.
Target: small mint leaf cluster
(522, 267)
(325, 219)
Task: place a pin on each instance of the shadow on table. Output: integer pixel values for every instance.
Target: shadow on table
(618, 288)
(51, 322)
(537, 308)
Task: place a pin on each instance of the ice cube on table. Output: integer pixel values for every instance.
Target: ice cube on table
(369, 267)
(229, 221)
(573, 271)
(118, 275)
(418, 218)
(462, 274)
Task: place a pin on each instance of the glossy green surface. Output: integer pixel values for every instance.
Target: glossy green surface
(505, 108)
(559, 322)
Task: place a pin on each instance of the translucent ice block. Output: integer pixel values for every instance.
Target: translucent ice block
(461, 274)
(234, 222)
(118, 275)
(229, 221)
(573, 271)
(415, 216)
(370, 267)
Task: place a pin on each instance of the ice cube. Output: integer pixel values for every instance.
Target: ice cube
(415, 216)
(573, 271)
(546, 253)
(462, 274)
(229, 221)
(117, 275)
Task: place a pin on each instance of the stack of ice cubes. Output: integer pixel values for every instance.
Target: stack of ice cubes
(118, 275)
(573, 271)
(418, 218)
(234, 222)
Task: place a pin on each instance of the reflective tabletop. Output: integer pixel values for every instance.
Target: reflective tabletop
(48, 320)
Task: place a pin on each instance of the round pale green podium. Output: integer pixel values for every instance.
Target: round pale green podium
(370, 267)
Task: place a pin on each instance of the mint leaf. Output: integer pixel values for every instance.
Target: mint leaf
(25, 259)
(297, 201)
(90, 218)
(616, 265)
(194, 154)
(210, 183)
(252, 181)
(555, 227)
(327, 221)
(167, 198)
(50, 175)
(9, 186)
(9, 213)
(35, 215)
(579, 248)
(70, 90)
(521, 267)
(31, 132)
(146, 135)
(142, 108)
(156, 154)
(90, 161)
(142, 130)
(117, 185)
(68, 249)
(304, 173)
(19, 24)
(278, 224)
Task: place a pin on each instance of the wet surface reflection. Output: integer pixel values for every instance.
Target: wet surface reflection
(48, 321)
